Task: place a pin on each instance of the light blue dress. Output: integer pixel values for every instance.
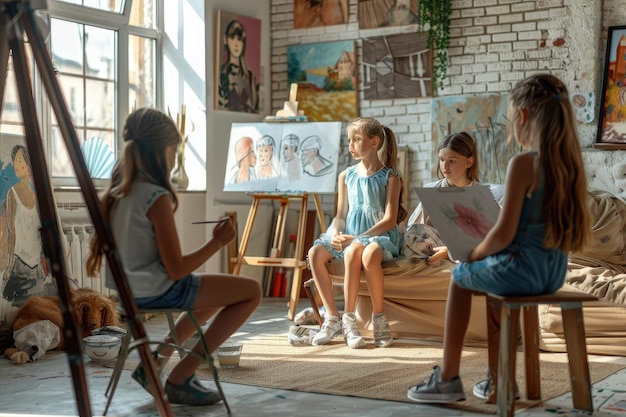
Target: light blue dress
(525, 267)
(366, 207)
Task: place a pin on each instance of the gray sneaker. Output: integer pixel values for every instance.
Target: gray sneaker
(330, 328)
(482, 389)
(433, 391)
(191, 392)
(300, 335)
(382, 332)
(351, 331)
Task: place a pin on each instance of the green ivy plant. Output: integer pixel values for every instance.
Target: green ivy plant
(436, 14)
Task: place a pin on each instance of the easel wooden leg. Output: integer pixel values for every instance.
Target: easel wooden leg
(296, 283)
(245, 237)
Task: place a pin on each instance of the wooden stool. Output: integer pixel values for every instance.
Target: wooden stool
(504, 382)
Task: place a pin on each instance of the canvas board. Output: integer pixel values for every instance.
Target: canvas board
(461, 215)
(283, 157)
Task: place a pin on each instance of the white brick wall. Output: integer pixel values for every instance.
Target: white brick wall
(493, 44)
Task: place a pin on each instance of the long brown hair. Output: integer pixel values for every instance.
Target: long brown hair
(464, 144)
(554, 135)
(147, 134)
(387, 151)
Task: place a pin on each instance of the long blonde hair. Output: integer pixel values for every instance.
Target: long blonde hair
(554, 135)
(147, 134)
(387, 151)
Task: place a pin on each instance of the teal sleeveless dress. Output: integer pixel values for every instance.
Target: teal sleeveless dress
(367, 196)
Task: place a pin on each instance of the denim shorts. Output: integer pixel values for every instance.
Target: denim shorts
(182, 294)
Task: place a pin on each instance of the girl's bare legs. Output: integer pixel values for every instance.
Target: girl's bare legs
(234, 298)
(373, 268)
(352, 275)
(458, 308)
(318, 256)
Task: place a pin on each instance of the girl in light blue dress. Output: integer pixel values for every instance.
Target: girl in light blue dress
(364, 232)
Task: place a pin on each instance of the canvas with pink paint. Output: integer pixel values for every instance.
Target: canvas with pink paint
(461, 215)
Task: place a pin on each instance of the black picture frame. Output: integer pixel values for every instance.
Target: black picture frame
(612, 120)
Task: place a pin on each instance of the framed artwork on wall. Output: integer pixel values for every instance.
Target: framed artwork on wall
(397, 66)
(312, 13)
(237, 63)
(283, 157)
(484, 117)
(378, 13)
(612, 123)
(326, 77)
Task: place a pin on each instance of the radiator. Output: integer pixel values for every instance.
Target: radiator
(77, 239)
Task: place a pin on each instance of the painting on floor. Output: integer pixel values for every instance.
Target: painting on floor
(326, 77)
(482, 116)
(237, 63)
(313, 13)
(397, 66)
(283, 157)
(380, 13)
(22, 261)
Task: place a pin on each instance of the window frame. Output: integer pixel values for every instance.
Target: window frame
(118, 23)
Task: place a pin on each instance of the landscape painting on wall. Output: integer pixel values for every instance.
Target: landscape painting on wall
(283, 157)
(326, 77)
(237, 63)
(483, 117)
(313, 13)
(612, 124)
(379, 13)
(398, 66)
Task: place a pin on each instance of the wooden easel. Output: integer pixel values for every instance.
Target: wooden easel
(275, 259)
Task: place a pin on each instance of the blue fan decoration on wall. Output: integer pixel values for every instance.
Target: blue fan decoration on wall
(99, 157)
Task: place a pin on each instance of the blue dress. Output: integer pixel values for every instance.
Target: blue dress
(525, 267)
(366, 207)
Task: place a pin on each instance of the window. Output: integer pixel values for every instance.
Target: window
(109, 58)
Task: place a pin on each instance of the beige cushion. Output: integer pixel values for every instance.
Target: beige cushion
(609, 229)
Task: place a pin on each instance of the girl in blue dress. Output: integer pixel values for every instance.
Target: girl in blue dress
(364, 232)
(544, 216)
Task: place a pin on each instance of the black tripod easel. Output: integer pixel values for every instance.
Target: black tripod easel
(17, 19)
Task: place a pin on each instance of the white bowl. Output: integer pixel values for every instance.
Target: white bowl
(102, 347)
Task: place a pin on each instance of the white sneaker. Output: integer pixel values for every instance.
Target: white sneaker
(351, 331)
(300, 335)
(382, 332)
(330, 328)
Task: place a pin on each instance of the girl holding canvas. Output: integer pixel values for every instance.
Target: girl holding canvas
(544, 216)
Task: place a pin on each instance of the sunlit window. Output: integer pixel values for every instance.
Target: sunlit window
(116, 6)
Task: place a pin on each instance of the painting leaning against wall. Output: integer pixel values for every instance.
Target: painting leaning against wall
(483, 117)
(326, 77)
(22, 260)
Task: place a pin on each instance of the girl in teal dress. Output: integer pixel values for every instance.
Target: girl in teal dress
(364, 232)
(544, 217)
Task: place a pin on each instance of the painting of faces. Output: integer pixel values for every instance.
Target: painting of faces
(237, 63)
(283, 157)
(312, 13)
(380, 13)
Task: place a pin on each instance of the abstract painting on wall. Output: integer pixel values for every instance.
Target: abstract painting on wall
(397, 66)
(283, 157)
(326, 77)
(237, 63)
(612, 124)
(483, 117)
(379, 13)
(313, 13)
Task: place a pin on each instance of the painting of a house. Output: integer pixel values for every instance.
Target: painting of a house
(326, 78)
(398, 66)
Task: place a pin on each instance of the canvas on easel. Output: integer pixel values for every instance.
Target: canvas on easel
(461, 215)
(283, 157)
